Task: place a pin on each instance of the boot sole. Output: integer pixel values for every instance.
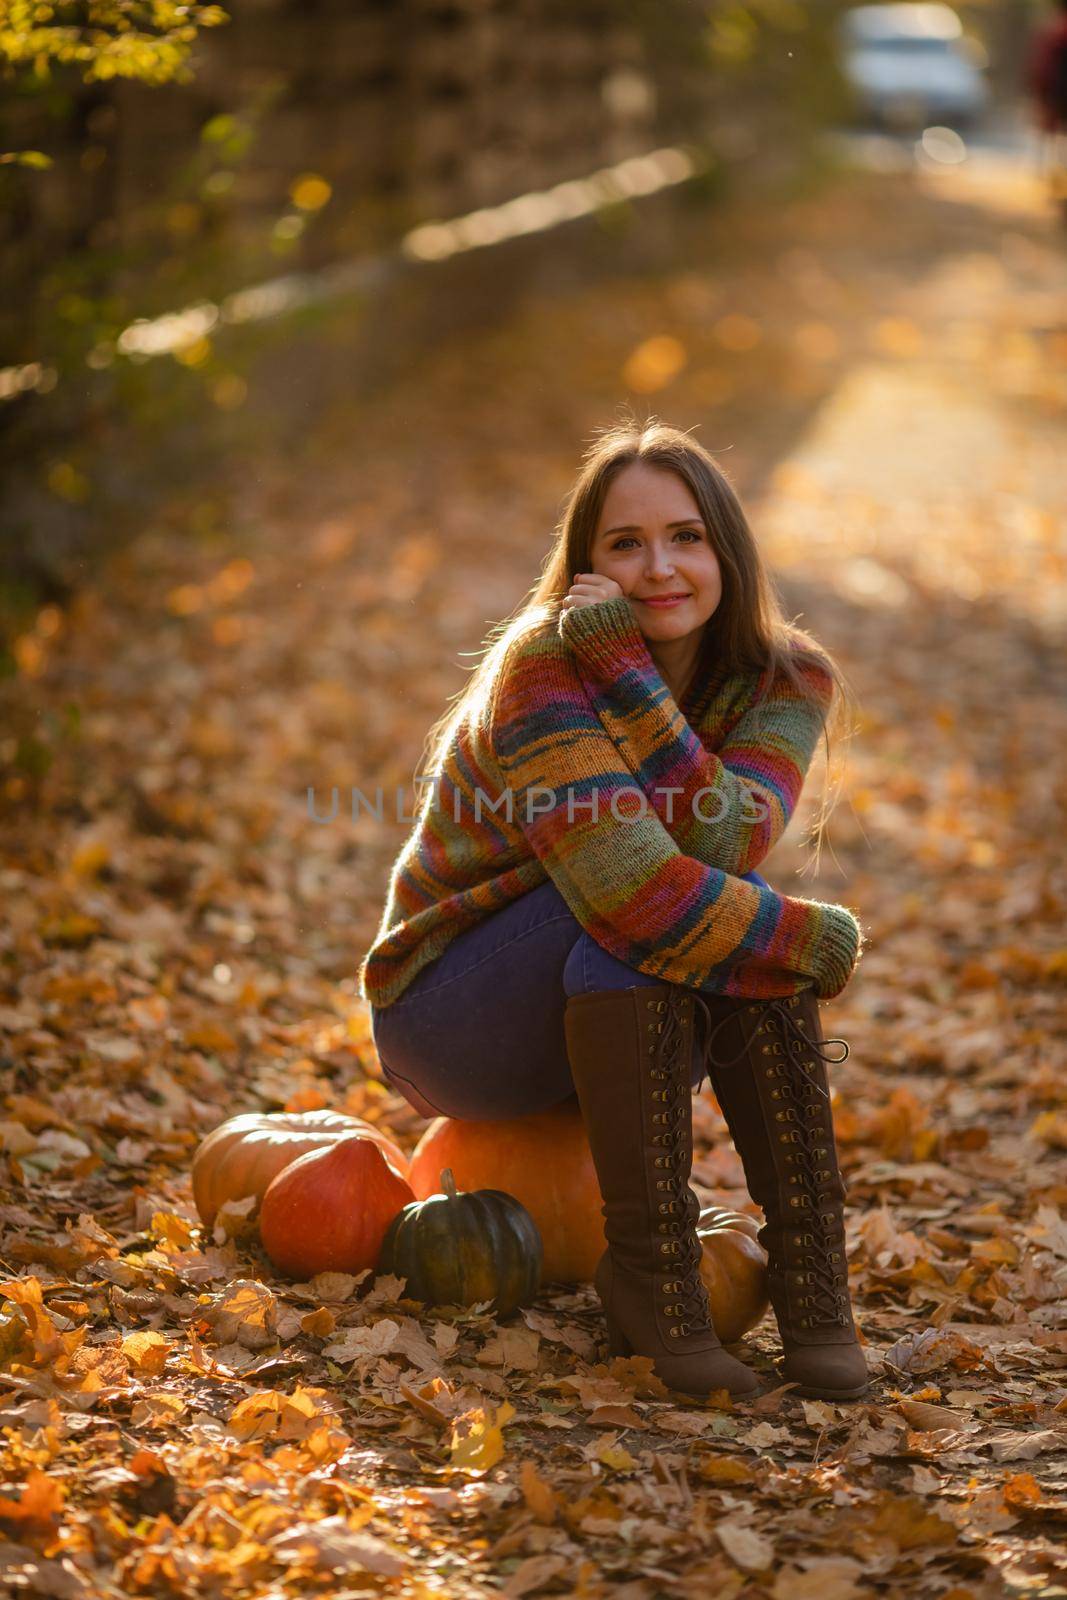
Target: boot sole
(807, 1393)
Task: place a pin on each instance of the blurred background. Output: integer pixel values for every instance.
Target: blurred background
(198, 207)
(311, 308)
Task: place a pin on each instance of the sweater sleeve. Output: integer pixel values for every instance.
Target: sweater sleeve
(622, 875)
(728, 808)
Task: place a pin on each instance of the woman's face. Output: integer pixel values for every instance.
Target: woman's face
(652, 540)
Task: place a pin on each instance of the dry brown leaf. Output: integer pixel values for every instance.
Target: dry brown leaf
(747, 1548)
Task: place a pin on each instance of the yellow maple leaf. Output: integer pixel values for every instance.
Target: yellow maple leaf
(172, 1231)
(617, 1457)
(477, 1437)
(147, 1350)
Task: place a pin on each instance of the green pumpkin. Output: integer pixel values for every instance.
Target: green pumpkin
(457, 1249)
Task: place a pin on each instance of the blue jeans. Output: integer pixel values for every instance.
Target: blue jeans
(478, 1034)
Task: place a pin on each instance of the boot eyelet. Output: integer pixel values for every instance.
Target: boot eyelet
(673, 1332)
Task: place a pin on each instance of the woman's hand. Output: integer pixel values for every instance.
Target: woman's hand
(588, 588)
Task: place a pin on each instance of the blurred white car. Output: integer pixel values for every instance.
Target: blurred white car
(909, 66)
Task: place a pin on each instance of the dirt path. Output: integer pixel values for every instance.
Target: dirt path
(883, 366)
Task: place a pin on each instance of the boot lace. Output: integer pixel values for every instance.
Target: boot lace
(682, 1205)
(779, 1008)
(818, 1264)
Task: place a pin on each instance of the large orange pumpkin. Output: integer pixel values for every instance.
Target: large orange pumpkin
(330, 1209)
(546, 1163)
(243, 1155)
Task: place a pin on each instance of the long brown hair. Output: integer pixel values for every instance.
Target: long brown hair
(748, 630)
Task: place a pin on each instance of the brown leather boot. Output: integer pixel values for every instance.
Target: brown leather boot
(766, 1064)
(630, 1053)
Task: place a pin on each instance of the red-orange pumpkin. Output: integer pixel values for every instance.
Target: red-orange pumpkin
(329, 1210)
(243, 1155)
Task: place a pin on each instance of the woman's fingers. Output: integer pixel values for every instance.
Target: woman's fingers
(590, 586)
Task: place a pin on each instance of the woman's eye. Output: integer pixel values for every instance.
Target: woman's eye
(692, 532)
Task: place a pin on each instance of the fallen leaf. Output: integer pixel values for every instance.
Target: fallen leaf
(747, 1548)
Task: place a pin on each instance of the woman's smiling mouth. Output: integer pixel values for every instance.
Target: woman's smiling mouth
(663, 600)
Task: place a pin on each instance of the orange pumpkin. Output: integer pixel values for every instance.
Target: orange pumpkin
(560, 1192)
(330, 1209)
(734, 1270)
(243, 1155)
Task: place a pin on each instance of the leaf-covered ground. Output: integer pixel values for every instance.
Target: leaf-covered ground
(883, 366)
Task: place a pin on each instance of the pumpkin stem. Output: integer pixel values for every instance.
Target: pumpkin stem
(448, 1183)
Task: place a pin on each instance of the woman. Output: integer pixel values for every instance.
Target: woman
(579, 888)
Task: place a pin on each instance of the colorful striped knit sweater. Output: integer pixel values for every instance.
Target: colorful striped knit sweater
(584, 738)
